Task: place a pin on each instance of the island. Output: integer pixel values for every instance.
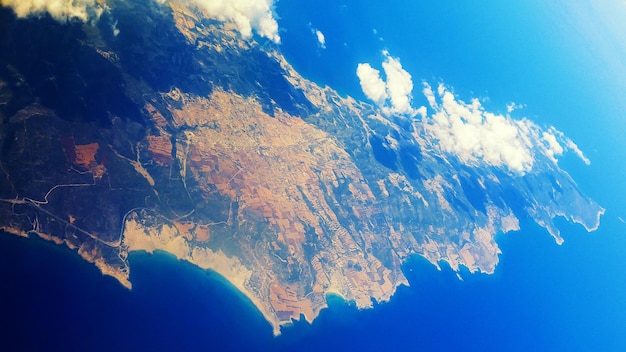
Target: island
(174, 132)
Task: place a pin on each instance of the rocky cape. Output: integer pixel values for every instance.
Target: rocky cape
(177, 134)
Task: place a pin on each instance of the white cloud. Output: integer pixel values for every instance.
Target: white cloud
(247, 15)
(558, 143)
(552, 146)
(573, 147)
(392, 95)
(372, 85)
(478, 136)
(61, 10)
(430, 96)
(399, 86)
(321, 39)
(421, 111)
(114, 29)
(512, 106)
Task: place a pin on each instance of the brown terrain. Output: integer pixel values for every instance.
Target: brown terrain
(83, 155)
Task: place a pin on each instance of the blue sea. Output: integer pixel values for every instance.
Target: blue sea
(541, 297)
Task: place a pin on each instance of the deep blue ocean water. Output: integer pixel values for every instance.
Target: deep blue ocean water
(542, 296)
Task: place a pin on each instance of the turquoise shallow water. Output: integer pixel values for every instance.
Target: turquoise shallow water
(542, 296)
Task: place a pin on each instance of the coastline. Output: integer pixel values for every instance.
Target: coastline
(237, 287)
